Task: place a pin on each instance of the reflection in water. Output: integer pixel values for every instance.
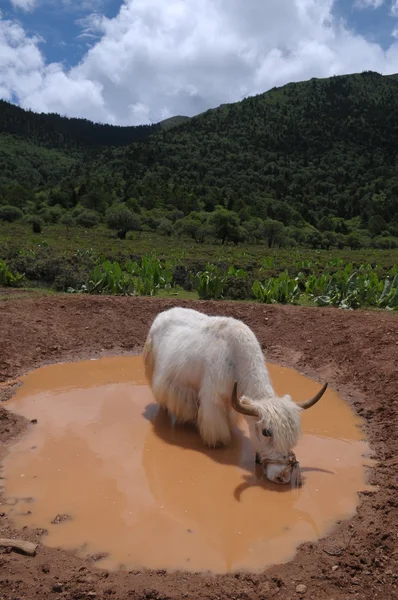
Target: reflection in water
(145, 490)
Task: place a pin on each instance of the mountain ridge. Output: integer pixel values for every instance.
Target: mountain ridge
(303, 153)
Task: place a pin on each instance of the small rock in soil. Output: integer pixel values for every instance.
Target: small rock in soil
(98, 556)
(60, 518)
(301, 588)
(57, 587)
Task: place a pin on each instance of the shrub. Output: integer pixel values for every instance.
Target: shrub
(314, 239)
(385, 243)
(36, 226)
(87, 219)
(52, 214)
(143, 279)
(9, 278)
(165, 227)
(10, 213)
(376, 225)
(121, 219)
(277, 289)
(210, 283)
(237, 288)
(68, 221)
(35, 222)
(68, 277)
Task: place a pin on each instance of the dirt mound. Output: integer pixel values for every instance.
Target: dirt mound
(356, 352)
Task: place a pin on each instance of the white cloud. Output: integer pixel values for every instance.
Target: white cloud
(394, 9)
(156, 59)
(73, 5)
(368, 3)
(24, 74)
(27, 5)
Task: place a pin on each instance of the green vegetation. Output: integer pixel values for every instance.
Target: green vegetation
(173, 122)
(54, 131)
(310, 164)
(8, 278)
(144, 279)
(290, 196)
(95, 261)
(347, 289)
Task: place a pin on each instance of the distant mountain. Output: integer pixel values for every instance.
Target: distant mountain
(306, 151)
(324, 147)
(54, 131)
(173, 122)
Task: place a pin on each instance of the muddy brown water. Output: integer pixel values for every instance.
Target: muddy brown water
(145, 493)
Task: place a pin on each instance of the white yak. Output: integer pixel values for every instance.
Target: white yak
(207, 370)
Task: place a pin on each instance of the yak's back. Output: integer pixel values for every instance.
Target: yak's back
(178, 317)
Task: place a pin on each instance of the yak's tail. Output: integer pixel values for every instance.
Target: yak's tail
(149, 359)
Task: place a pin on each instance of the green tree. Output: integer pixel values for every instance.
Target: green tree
(314, 239)
(353, 240)
(273, 232)
(254, 230)
(325, 224)
(165, 227)
(120, 218)
(376, 225)
(195, 228)
(340, 241)
(329, 238)
(226, 224)
(133, 205)
(95, 200)
(68, 221)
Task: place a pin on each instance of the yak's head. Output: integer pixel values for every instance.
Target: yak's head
(275, 428)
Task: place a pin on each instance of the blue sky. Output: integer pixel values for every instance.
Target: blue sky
(59, 24)
(138, 61)
(375, 24)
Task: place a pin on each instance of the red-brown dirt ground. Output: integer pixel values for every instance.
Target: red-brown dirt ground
(357, 352)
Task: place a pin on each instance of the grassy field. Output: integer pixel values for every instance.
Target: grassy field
(101, 241)
(60, 259)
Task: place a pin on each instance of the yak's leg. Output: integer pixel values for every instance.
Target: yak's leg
(213, 422)
(180, 401)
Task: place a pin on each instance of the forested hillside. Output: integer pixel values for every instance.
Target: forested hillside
(54, 131)
(317, 158)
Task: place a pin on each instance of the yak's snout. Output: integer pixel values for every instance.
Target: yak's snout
(278, 473)
(283, 473)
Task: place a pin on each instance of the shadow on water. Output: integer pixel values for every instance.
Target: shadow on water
(239, 452)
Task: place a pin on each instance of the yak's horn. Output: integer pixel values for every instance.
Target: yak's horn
(314, 400)
(242, 408)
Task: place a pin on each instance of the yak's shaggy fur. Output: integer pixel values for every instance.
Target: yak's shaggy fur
(192, 361)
